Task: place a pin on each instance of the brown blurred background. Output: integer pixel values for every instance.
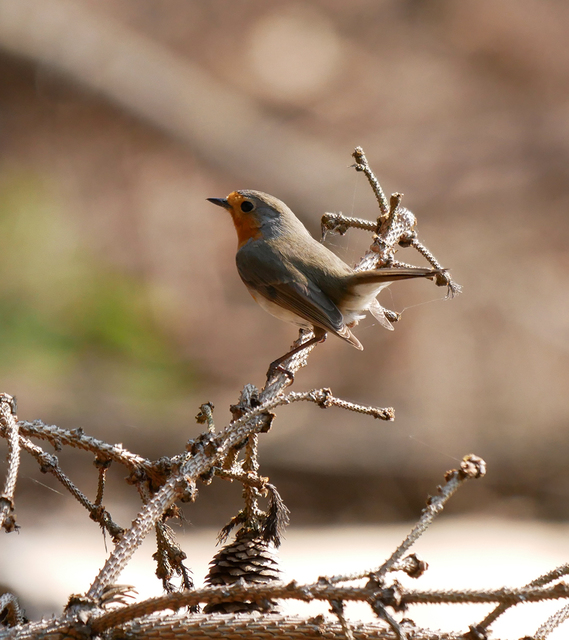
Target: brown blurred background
(120, 307)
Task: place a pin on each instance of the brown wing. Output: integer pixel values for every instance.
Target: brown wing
(263, 272)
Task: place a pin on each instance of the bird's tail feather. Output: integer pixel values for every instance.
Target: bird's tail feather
(391, 274)
(348, 336)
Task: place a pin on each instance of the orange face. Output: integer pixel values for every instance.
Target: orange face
(246, 223)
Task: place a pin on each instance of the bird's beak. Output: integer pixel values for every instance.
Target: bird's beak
(220, 202)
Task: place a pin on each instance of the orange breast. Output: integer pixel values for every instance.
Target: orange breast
(246, 224)
(247, 228)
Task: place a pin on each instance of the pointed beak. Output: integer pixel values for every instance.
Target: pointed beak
(220, 202)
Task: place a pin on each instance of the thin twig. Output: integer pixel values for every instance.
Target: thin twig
(550, 576)
(250, 479)
(453, 287)
(381, 612)
(338, 223)
(8, 420)
(363, 165)
(337, 608)
(59, 437)
(49, 464)
(102, 466)
(324, 399)
(471, 467)
(277, 383)
(395, 226)
(552, 623)
(544, 579)
(134, 536)
(250, 493)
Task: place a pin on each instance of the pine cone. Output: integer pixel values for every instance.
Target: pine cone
(247, 558)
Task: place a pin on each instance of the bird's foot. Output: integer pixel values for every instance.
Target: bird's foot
(276, 369)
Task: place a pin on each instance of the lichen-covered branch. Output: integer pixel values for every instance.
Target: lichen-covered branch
(8, 422)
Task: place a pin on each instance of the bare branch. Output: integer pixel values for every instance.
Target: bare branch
(49, 464)
(324, 399)
(323, 590)
(338, 223)
(337, 607)
(552, 623)
(542, 580)
(102, 466)
(182, 626)
(362, 165)
(9, 425)
(471, 467)
(62, 437)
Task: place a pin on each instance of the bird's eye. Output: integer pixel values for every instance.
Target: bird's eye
(247, 206)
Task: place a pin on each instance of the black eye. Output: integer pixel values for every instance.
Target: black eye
(247, 206)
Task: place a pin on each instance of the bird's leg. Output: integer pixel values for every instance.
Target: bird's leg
(275, 367)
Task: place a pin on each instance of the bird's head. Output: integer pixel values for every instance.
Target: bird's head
(256, 215)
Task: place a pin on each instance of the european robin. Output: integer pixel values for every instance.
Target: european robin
(296, 278)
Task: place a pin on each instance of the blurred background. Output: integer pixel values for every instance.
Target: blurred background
(121, 310)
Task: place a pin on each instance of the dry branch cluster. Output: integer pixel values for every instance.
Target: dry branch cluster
(243, 587)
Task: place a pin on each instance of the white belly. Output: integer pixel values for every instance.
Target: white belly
(278, 312)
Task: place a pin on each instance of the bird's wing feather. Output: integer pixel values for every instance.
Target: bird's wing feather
(293, 292)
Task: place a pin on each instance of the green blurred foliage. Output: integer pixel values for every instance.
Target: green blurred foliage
(64, 315)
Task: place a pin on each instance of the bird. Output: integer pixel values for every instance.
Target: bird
(299, 280)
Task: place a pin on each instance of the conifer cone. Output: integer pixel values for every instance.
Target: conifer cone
(247, 558)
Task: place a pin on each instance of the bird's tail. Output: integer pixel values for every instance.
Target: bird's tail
(390, 274)
(362, 287)
(348, 336)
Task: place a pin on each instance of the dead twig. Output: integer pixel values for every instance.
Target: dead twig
(76, 438)
(8, 421)
(483, 626)
(323, 590)
(50, 464)
(471, 467)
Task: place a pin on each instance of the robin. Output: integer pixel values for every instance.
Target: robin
(296, 278)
